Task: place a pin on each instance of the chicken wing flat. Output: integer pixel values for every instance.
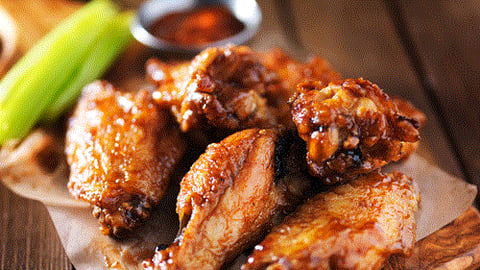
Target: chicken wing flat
(233, 87)
(354, 226)
(236, 191)
(121, 150)
(351, 127)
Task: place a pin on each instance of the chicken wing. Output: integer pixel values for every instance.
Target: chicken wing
(406, 108)
(222, 87)
(354, 226)
(233, 87)
(121, 150)
(351, 127)
(232, 194)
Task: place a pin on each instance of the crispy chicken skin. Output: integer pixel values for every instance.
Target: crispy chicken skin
(121, 150)
(236, 191)
(233, 87)
(351, 127)
(406, 108)
(223, 87)
(354, 226)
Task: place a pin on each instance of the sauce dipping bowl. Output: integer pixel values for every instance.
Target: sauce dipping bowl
(246, 11)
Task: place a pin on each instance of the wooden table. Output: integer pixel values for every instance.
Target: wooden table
(428, 52)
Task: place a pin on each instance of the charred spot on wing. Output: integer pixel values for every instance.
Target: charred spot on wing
(137, 210)
(290, 163)
(354, 156)
(289, 149)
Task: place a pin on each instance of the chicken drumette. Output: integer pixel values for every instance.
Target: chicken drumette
(121, 150)
(233, 87)
(354, 226)
(351, 127)
(234, 193)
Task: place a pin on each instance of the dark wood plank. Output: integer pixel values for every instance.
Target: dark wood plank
(446, 40)
(28, 239)
(455, 246)
(360, 40)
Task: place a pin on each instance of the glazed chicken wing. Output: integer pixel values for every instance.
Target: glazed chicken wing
(223, 87)
(121, 150)
(233, 87)
(354, 226)
(234, 192)
(406, 108)
(351, 127)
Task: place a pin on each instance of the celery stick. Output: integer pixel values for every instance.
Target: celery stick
(33, 89)
(104, 51)
(96, 10)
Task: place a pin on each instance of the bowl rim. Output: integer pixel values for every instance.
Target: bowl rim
(140, 24)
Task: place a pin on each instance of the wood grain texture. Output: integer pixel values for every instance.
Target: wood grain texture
(455, 246)
(28, 239)
(445, 38)
(358, 38)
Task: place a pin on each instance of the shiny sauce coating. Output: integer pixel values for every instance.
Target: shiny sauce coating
(197, 27)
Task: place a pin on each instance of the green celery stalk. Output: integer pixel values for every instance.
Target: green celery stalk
(109, 45)
(96, 10)
(37, 79)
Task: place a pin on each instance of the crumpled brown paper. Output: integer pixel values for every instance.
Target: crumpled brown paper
(444, 198)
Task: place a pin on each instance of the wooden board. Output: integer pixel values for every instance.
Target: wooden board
(358, 38)
(28, 239)
(455, 246)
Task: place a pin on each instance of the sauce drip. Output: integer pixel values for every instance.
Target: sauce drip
(197, 27)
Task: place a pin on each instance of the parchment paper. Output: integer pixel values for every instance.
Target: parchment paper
(443, 198)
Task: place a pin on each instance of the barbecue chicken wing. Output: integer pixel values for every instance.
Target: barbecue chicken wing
(351, 127)
(233, 87)
(223, 87)
(406, 108)
(354, 226)
(234, 192)
(121, 150)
